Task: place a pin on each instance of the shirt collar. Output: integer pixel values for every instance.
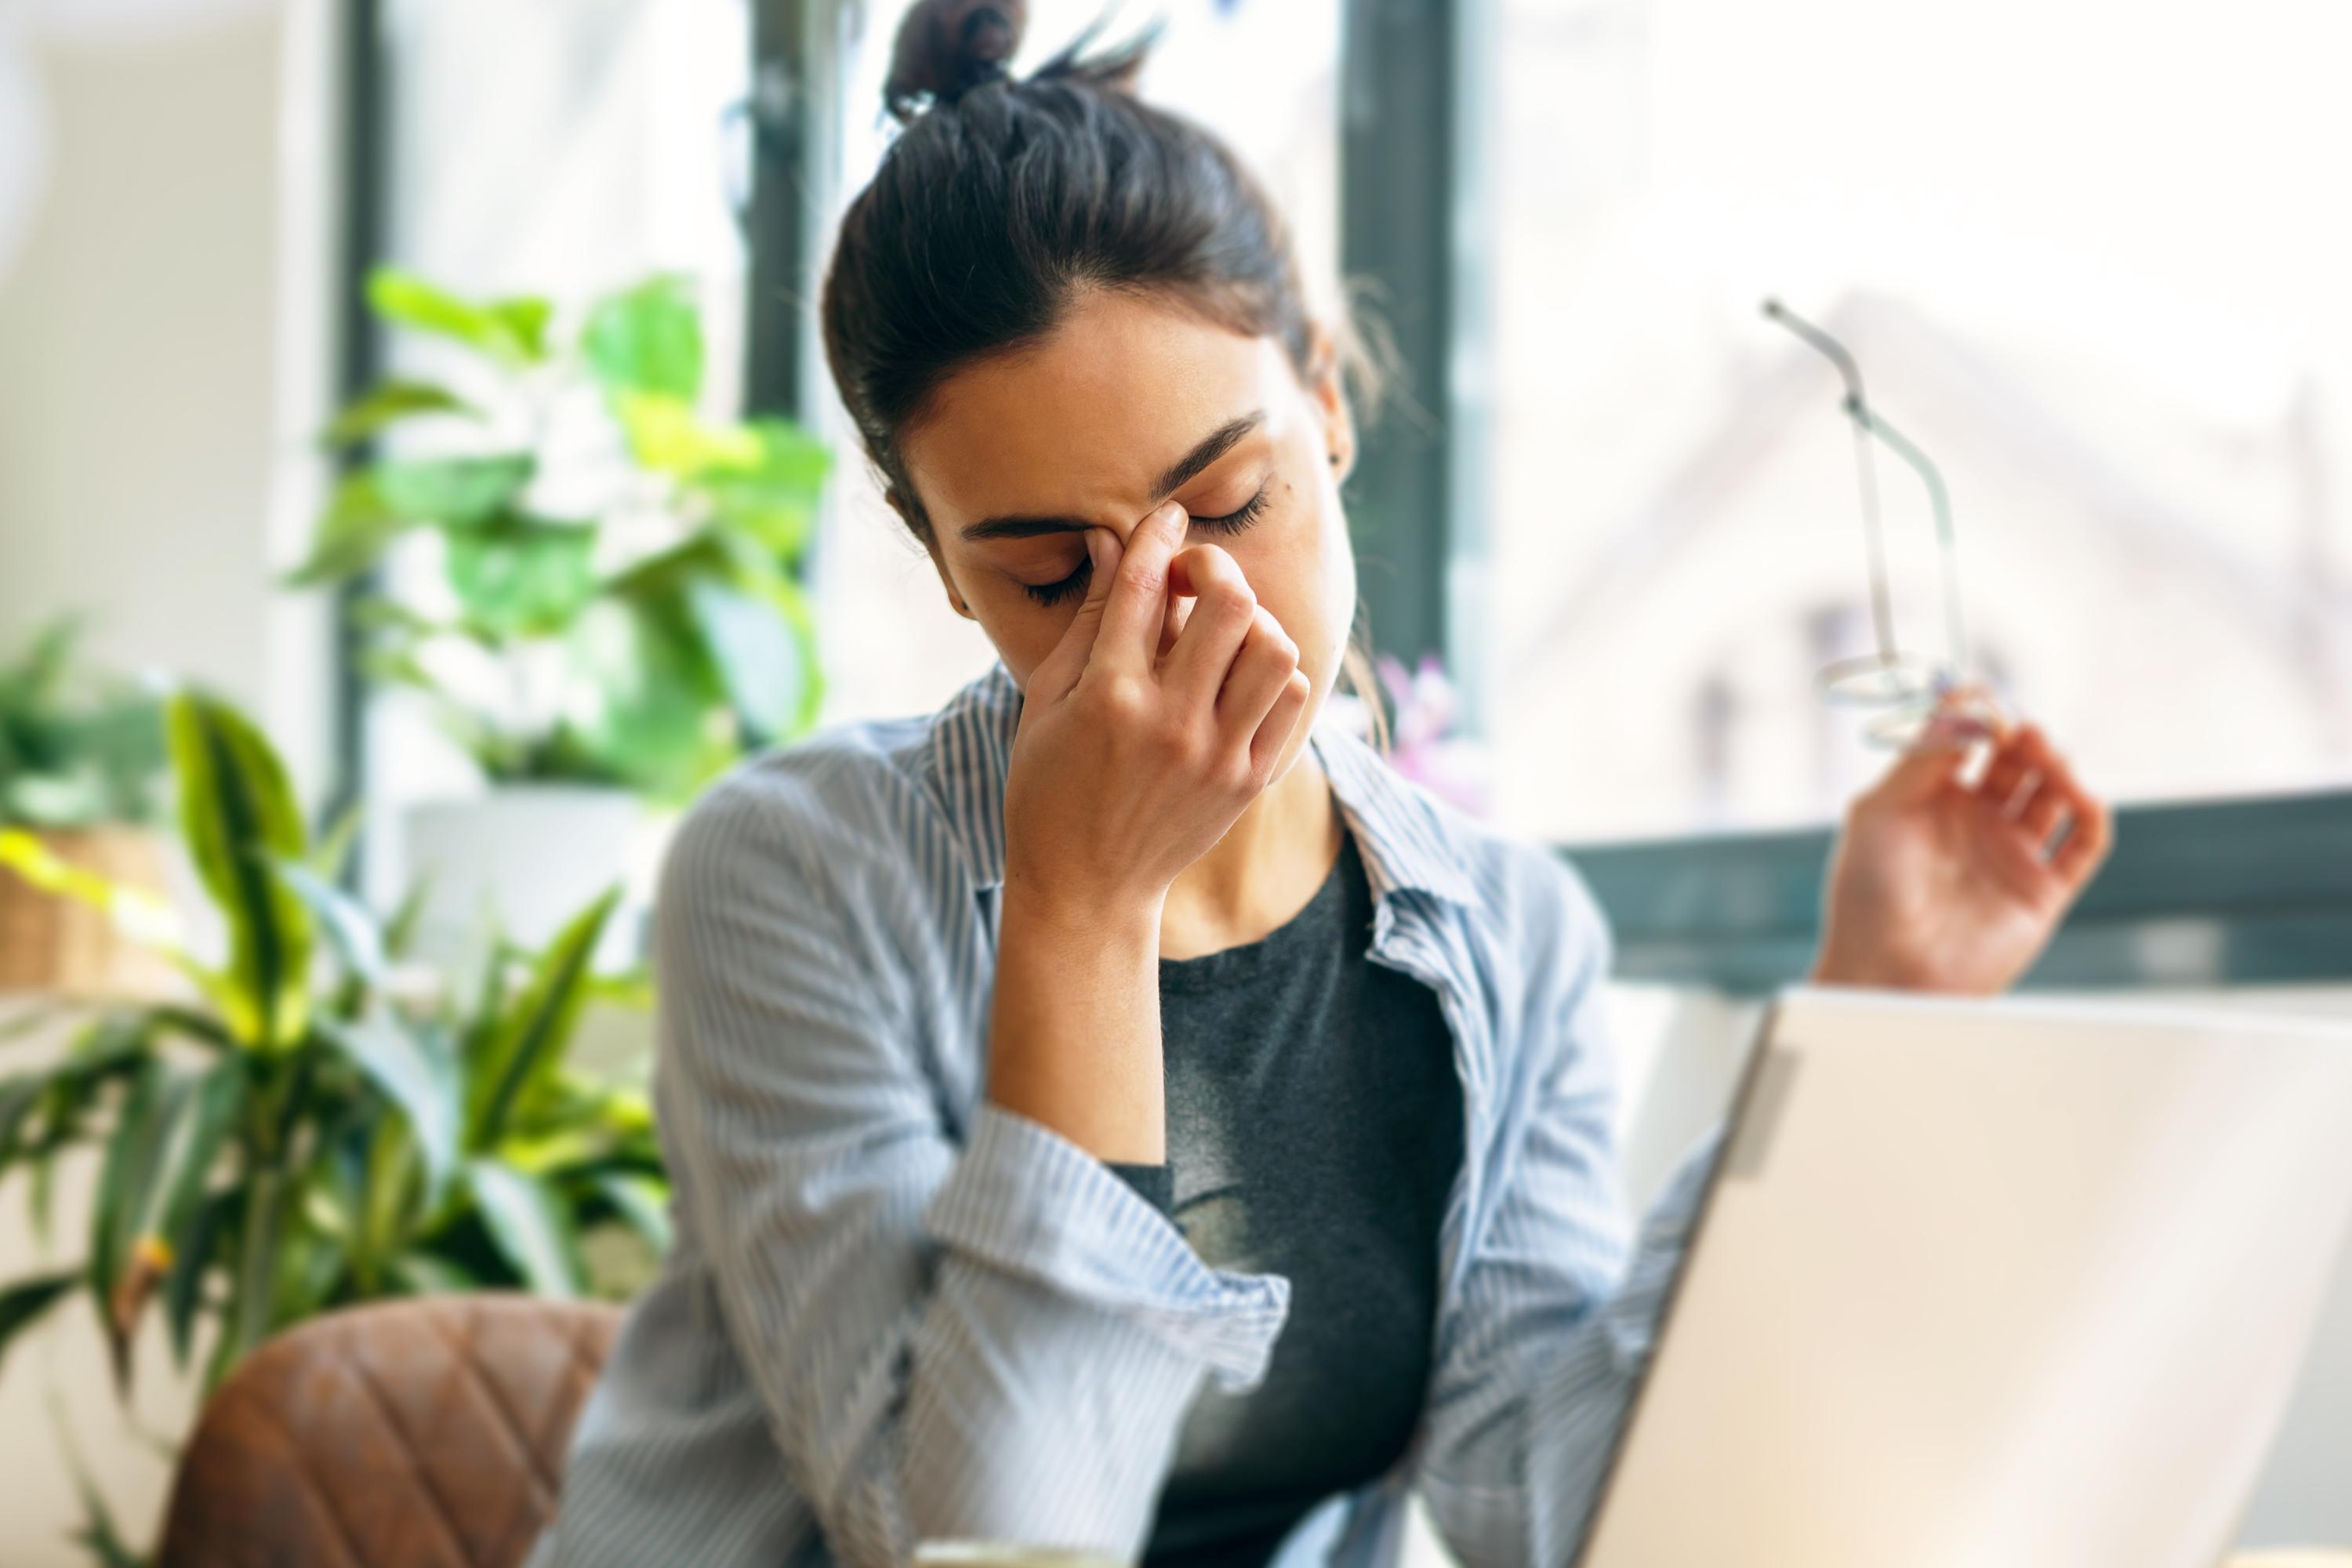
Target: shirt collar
(1400, 833)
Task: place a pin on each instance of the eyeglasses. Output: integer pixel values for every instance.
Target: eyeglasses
(1908, 685)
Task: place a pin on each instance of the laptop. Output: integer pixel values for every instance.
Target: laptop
(1989, 1284)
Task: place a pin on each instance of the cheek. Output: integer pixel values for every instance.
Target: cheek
(1311, 583)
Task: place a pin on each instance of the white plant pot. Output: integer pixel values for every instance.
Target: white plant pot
(534, 855)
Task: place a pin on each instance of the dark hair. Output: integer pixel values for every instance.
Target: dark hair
(1001, 198)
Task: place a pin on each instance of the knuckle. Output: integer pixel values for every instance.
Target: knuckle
(1145, 571)
(1229, 598)
(1121, 698)
(1174, 740)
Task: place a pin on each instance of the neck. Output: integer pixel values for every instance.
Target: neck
(1262, 872)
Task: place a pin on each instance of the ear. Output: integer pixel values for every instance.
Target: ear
(1325, 387)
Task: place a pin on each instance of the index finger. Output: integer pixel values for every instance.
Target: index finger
(1137, 612)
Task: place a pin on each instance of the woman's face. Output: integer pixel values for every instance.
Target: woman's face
(1130, 402)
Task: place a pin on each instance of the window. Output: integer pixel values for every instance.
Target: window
(2084, 257)
(561, 150)
(565, 151)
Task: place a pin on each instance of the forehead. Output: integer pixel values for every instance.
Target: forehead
(1081, 423)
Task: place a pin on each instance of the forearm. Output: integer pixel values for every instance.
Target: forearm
(1074, 1030)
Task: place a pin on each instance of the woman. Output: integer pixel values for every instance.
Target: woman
(1117, 1110)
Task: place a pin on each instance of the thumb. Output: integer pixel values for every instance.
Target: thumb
(1061, 668)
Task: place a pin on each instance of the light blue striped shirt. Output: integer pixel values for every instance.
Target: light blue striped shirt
(895, 1312)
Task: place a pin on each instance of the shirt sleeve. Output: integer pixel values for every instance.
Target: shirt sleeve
(1558, 1306)
(985, 1337)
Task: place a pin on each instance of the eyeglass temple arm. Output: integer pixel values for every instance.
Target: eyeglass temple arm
(1940, 501)
(1867, 421)
(1882, 598)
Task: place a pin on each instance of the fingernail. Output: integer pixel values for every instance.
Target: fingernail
(1172, 519)
(1099, 544)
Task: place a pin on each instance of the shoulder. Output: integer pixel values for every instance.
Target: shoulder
(1533, 890)
(842, 807)
(1510, 892)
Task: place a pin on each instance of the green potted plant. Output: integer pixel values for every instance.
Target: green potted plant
(609, 608)
(81, 765)
(319, 1126)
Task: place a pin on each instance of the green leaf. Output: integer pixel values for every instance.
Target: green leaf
(643, 1201)
(237, 809)
(183, 1291)
(41, 678)
(759, 657)
(654, 711)
(424, 1273)
(774, 503)
(402, 623)
(24, 1303)
(353, 536)
(522, 576)
(648, 339)
(18, 1095)
(526, 1048)
(195, 1140)
(666, 435)
(115, 1046)
(350, 928)
(330, 850)
(418, 1073)
(311, 1261)
(400, 931)
(531, 1228)
(392, 1204)
(525, 319)
(511, 331)
(158, 1228)
(146, 1123)
(793, 459)
(453, 491)
(388, 404)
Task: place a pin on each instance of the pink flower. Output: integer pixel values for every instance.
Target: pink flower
(1423, 710)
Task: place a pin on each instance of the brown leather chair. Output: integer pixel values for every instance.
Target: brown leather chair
(416, 1434)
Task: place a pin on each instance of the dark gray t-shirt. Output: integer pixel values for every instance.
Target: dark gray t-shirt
(1314, 1130)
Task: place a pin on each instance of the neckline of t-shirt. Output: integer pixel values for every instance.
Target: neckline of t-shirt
(1283, 944)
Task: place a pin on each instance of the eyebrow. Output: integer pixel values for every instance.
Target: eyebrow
(1219, 441)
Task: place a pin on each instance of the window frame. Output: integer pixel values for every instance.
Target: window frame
(2252, 890)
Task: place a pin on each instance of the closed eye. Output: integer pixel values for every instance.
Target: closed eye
(1075, 583)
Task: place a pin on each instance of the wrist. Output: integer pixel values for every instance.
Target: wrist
(1077, 922)
(1835, 965)
(1074, 1029)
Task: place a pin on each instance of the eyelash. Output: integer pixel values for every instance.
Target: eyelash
(1232, 522)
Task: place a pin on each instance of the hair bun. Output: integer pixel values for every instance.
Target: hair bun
(945, 48)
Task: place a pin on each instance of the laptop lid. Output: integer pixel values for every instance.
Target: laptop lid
(1990, 1284)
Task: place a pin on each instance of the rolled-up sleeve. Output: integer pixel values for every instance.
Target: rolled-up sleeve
(977, 1334)
(1559, 1306)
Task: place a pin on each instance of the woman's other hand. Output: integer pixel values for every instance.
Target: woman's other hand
(1941, 885)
